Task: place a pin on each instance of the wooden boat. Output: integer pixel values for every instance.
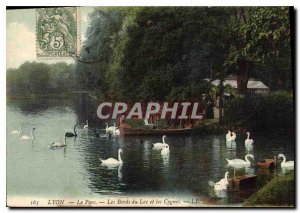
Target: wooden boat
(148, 131)
(189, 126)
(244, 180)
(267, 163)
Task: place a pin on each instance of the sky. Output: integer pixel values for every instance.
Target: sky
(21, 36)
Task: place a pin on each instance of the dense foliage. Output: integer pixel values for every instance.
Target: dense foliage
(163, 53)
(278, 192)
(274, 112)
(261, 46)
(37, 78)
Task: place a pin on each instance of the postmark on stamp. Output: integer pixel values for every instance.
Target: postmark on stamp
(57, 32)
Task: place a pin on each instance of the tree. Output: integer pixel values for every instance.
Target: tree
(152, 53)
(261, 36)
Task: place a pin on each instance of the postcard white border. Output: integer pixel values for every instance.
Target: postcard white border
(122, 3)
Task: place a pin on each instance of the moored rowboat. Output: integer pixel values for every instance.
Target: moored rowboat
(245, 180)
(267, 163)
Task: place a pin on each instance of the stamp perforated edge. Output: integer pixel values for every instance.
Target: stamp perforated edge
(78, 38)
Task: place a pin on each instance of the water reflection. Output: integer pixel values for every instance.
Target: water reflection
(249, 170)
(230, 153)
(146, 147)
(221, 193)
(165, 159)
(216, 146)
(120, 174)
(249, 148)
(231, 145)
(192, 161)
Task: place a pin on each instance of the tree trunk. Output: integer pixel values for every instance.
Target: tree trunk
(244, 69)
(221, 98)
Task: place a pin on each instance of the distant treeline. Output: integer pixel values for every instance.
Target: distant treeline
(38, 78)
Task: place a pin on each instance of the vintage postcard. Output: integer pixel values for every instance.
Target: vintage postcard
(150, 107)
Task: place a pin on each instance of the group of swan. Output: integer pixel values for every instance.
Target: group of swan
(112, 162)
(223, 183)
(284, 163)
(231, 136)
(109, 130)
(164, 146)
(19, 131)
(112, 129)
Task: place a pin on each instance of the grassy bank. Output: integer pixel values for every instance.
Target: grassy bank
(278, 192)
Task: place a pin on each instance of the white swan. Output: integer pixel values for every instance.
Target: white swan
(160, 145)
(240, 161)
(27, 137)
(286, 164)
(109, 129)
(228, 135)
(248, 140)
(116, 131)
(87, 125)
(222, 184)
(57, 144)
(19, 131)
(231, 137)
(165, 150)
(112, 161)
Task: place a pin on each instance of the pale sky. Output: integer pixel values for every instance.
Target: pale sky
(20, 36)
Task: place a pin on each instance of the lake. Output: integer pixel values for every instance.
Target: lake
(34, 170)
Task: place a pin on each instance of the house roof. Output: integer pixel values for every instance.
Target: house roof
(252, 83)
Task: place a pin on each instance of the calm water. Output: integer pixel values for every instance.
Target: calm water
(75, 171)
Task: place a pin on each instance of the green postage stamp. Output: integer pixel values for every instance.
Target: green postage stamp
(57, 32)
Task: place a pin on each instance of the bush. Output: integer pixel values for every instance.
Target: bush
(135, 123)
(162, 124)
(261, 113)
(278, 192)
